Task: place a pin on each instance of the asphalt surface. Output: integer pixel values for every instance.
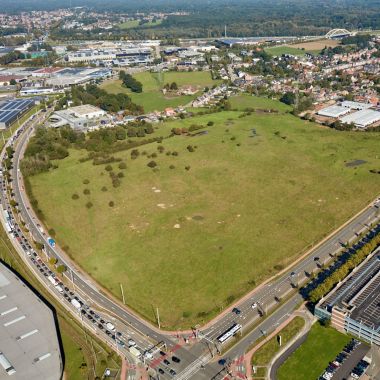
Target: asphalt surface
(194, 358)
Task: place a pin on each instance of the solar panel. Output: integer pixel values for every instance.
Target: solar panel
(10, 110)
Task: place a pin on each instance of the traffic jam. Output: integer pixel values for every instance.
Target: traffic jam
(94, 319)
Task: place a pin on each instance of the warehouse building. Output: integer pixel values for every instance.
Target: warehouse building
(81, 118)
(334, 111)
(362, 119)
(356, 105)
(13, 109)
(30, 347)
(353, 307)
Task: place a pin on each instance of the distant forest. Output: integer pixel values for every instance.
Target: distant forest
(242, 17)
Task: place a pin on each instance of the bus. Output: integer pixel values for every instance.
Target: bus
(229, 333)
(8, 227)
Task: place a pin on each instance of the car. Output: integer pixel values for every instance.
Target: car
(161, 371)
(118, 333)
(236, 311)
(131, 343)
(162, 353)
(254, 305)
(100, 326)
(166, 361)
(172, 372)
(176, 359)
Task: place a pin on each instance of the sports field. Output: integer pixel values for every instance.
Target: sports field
(152, 97)
(208, 225)
(313, 356)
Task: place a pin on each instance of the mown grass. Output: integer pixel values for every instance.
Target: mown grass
(313, 356)
(152, 98)
(279, 50)
(244, 101)
(247, 205)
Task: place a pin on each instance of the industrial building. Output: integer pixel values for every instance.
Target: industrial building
(362, 119)
(354, 306)
(356, 105)
(30, 347)
(82, 118)
(131, 55)
(13, 109)
(334, 111)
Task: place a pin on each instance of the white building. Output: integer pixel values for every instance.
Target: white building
(333, 111)
(362, 119)
(85, 117)
(356, 105)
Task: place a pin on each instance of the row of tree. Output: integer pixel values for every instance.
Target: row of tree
(340, 273)
(128, 81)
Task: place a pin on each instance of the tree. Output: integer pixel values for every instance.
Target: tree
(288, 98)
(174, 86)
(152, 164)
(61, 268)
(12, 82)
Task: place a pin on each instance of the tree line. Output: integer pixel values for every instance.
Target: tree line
(128, 81)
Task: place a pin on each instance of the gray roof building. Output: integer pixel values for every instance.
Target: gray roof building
(29, 346)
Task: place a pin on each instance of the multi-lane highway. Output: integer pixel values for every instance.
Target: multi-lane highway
(198, 359)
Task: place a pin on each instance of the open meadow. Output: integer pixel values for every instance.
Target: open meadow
(152, 98)
(224, 209)
(312, 357)
(300, 49)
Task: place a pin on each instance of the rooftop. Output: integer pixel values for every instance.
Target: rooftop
(359, 294)
(28, 333)
(333, 111)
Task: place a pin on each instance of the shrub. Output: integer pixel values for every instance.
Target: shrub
(233, 138)
(116, 182)
(190, 148)
(111, 204)
(51, 232)
(154, 155)
(108, 168)
(89, 204)
(171, 167)
(122, 165)
(53, 260)
(75, 196)
(175, 153)
(61, 268)
(104, 188)
(120, 175)
(187, 167)
(86, 191)
(210, 123)
(86, 181)
(152, 164)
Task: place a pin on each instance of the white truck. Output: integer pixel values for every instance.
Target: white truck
(75, 303)
(53, 280)
(110, 326)
(135, 352)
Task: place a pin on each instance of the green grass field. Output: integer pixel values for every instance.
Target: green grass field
(314, 355)
(247, 206)
(264, 354)
(244, 101)
(152, 98)
(279, 50)
(135, 24)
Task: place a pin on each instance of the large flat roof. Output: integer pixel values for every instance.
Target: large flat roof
(333, 111)
(362, 118)
(359, 294)
(28, 335)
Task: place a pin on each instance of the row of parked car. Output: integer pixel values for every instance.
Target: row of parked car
(359, 369)
(333, 366)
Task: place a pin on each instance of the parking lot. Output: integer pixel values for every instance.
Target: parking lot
(348, 364)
